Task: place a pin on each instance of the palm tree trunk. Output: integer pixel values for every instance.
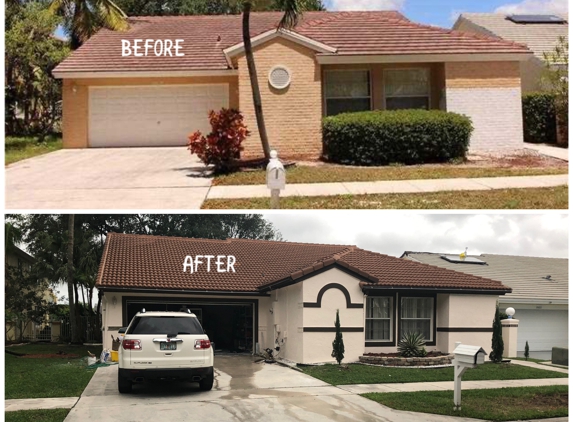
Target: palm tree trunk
(70, 280)
(257, 103)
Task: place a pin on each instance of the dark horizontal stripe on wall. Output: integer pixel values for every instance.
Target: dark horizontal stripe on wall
(333, 329)
(318, 305)
(379, 344)
(465, 330)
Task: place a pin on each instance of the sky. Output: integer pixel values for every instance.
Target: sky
(393, 233)
(445, 12)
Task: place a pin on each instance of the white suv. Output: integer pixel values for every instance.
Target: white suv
(165, 345)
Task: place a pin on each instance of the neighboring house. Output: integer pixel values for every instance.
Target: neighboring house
(540, 33)
(540, 293)
(17, 258)
(287, 294)
(331, 62)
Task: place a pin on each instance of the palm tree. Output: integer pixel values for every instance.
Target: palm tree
(292, 11)
(70, 279)
(85, 17)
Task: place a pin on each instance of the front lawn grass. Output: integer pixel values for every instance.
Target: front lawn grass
(366, 374)
(28, 378)
(21, 147)
(531, 198)
(43, 415)
(330, 174)
(500, 404)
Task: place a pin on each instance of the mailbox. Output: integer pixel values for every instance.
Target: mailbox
(465, 357)
(469, 355)
(276, 175)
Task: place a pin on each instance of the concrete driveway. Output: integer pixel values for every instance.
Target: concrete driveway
(108, 178)
(243, 391)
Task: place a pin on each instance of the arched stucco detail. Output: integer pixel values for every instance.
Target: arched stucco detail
(340, 287)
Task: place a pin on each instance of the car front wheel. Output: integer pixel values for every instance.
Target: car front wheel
(124, 385)
(206, 383)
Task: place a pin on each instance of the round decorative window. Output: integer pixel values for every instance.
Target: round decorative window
(279, 77)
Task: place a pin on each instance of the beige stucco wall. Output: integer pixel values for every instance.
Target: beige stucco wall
(292, 115)
(75, 105)
(112, 316)
(465, 311)
(318, 345)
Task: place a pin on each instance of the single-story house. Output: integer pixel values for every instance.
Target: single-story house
(540, 33)
(331, 62)
(540, 293)
(279, 294)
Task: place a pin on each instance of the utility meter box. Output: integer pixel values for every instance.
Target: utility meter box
(469, 355)
(276, 175)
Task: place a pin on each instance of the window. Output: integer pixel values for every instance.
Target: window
(379, 318)
(407, 89)
(347, 91)
(416, 315)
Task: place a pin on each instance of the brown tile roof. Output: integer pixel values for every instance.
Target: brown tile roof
(156, 262)
(207, 36)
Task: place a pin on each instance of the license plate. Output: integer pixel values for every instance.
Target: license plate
(167, 346)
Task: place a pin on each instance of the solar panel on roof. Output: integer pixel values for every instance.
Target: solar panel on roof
(456, 259)
(536, 19)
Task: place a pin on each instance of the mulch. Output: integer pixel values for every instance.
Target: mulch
(398, 355)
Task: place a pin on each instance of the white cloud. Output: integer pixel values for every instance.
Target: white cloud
(367, 4)
(395, 232)
(559, 7)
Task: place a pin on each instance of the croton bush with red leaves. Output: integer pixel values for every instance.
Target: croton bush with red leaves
(223, 145)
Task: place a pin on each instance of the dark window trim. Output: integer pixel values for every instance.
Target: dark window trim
(333, 329)
(381, 343)
(419, 294)
(198, 301)
(340, 287)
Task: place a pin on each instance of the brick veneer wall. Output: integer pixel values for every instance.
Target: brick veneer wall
(293, 116)
(398, 361)
(490, 94)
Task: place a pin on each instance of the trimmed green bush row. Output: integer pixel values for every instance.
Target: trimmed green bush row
(375, 138)
(539, 124)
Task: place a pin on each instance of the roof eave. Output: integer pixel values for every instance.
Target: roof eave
(293, 36)
(459, 290)
(324, 58)
(180, 291)
(61, 74)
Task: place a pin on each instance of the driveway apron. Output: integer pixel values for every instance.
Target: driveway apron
(117, 178)
(243, 391)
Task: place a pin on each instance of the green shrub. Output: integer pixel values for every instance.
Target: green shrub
(375, 138)
(539, 124)
(412, 345)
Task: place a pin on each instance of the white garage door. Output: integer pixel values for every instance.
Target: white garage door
(543, 329)
(151, 115)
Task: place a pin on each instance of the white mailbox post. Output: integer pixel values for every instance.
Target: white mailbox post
(276, 178)
(464, 357)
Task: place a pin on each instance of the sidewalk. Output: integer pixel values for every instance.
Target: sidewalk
(539, 366)
(398, 186)
(550, 151)
(449, 385)
(49, 403)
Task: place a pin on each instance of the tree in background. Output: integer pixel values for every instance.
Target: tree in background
(32, 95)
(496, 354)
(83, 18)
(338, 343)
(200, 7)
(526, 351)
(557, 77)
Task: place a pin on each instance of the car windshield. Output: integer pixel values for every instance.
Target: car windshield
(165, 325)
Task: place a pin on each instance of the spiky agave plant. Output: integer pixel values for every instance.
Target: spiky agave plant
(412, 345)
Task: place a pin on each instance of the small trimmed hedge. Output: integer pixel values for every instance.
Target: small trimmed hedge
(539, 123)
(375, 138)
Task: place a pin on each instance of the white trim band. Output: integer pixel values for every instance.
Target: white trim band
(421, 58)
(144, 74)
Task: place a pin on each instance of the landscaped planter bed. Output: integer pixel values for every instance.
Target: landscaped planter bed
(386, 360)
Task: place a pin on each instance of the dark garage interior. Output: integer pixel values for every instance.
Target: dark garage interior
(229, 324)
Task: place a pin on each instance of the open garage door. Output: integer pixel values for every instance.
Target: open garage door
(152, 115)
(230, 324)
